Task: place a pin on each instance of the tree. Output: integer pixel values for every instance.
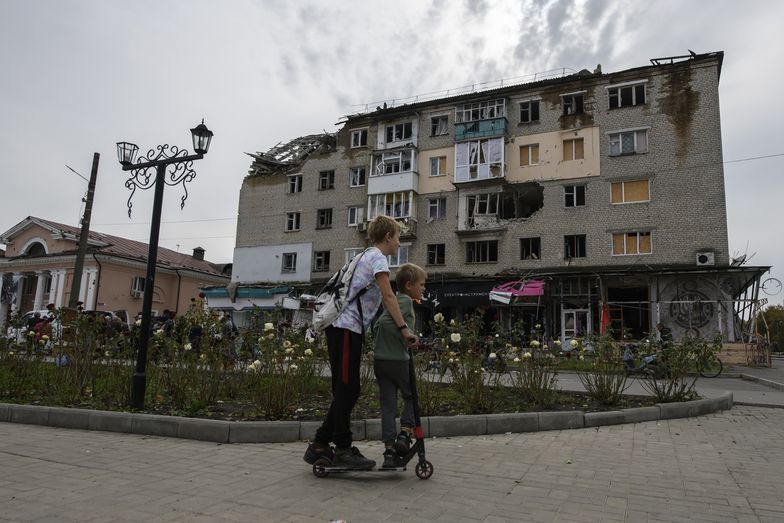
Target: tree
(774, 316)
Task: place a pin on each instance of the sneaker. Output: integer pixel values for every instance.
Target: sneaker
(390, 459)
(318, 450)
(352, 459)
(403, 443)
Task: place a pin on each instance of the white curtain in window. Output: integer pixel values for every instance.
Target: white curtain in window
(462, 154)
(494, 150)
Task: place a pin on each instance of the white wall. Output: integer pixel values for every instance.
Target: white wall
(263, 263)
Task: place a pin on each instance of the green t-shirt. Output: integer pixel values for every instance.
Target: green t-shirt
(390, 344)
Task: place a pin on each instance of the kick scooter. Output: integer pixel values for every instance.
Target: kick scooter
(424, 469)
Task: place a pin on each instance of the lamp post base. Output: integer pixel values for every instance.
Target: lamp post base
(138, 385)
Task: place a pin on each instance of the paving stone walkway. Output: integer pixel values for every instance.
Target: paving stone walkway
(721, 467)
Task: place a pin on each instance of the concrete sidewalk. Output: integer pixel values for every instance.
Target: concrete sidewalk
(720, 467)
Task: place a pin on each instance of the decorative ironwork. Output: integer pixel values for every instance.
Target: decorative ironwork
(178, 165)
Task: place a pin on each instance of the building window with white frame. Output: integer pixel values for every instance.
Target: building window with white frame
(529, 155)
(631, 191)
(628, 142)
(574, 195)
(573, 149)
(393, 162)
(359, 138)
(396, 204)
(482, 251)
(326, 180)
(436, 208)
(439, 125)
(479, 160)
(573, 103)
(436, 254)
(437, 165)
(321, 261)
(355, 215)
(356, 177)
(289, 262)
(400, 257)
(529, 111)
(324, 219)
(626, 95)
(295, 183)
(399, 131)
(486, 110)
(137, 284)
(631, 243)
(292, 221)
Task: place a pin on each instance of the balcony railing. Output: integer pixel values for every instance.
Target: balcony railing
(480, 129)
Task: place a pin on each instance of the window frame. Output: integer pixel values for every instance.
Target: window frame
(402, 252)
(436, 252)
(363, 138)
(321, 261)
(437, 161)
(532, 107)
(355, 172)
(440, 208)
(350, 252)
(529, 153)
(638, 235)
(620, 134)
(138, 283)
(294, 180)
(324, 218)
(581, 246)
(576, 99)
(484, 110)
(573, 147)
(327, 176)
(615, 91)
(290, 267)
(534, 254)
(435, 125)
(407, 199)
(293, 221)
(488, 245)
(406, 131)
(359, 215)
(623, 200)
(574, 192)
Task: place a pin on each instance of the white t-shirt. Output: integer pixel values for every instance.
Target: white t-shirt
(372, 263)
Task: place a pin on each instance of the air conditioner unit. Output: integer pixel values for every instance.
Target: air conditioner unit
(705, 258)
(361, 227)
(136, 294)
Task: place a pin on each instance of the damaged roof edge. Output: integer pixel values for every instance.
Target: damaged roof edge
(291, 154)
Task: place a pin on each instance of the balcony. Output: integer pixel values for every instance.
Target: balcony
(394, 182)
(480, 129)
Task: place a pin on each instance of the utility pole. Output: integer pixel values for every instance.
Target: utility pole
(88, 210)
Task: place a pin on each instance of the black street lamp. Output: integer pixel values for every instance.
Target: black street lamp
(179, 163)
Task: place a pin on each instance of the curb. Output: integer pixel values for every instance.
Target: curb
(763, 381)
(286, 431)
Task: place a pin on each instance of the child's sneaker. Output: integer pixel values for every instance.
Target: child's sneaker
(403, 443)
(318, 450)
(390, 459)
(352, 459)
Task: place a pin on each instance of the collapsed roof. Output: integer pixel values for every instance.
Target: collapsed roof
(290, 155)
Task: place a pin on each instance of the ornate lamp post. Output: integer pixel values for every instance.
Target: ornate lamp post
(149, 171)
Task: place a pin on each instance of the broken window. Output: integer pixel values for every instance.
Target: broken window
(321, 261)
(359, 138)
(574, 195)
(521, 200)
(482, 251)
(530, 248)
(629, 243)
(289, 262)
(626, 95)
(573, 149)
(399, 131)
(529, 111)
(479, 159)
(437, 165)
(439, 125)
(356, 177)
(292, 221)
(436, 254)
(326, 180)
(631, 191)
(436, 208)
(574, 246)
(396, 205)
(400, 257)
(529, 155)
(355, 215)
(572, 103)
(295, 183)
(629, 142)
(323, 218)
(480, 111)
(394, 162)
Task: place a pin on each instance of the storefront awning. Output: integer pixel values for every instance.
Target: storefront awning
(510, 291)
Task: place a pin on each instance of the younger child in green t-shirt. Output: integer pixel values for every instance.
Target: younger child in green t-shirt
(391, 364)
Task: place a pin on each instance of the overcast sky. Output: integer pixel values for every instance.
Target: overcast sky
(76, 76)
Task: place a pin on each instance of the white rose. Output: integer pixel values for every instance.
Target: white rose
(535, 344)
(492, 356)
(557, 342)
(271, 336)
(138, 322)
(452, 322)
(308, 352)
(538, 326)
(455, 337)
(218, 337)
(269, 327)
(187, 347)
(256, 364)
(582, 357)
(293, 366)
(526, 355)
(289, 350)
(517, 360)
(451, 360)
(107, 354)
(287, 344)
(30, 333)
(203, 356)
(574, 343)
(438, 318)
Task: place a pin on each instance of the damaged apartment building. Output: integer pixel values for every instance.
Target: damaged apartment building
(578, 202)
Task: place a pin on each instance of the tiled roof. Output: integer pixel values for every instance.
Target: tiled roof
(125, 248)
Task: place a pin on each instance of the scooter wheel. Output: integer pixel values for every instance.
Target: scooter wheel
(424, 469)
(320, 468)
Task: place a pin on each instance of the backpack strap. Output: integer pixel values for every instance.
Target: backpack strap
(359, 293)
